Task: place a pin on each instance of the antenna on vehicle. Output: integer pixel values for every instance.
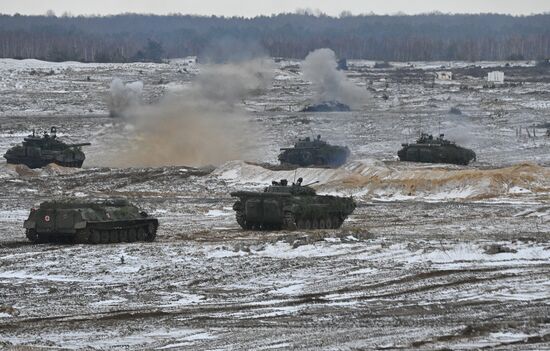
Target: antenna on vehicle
(294, 180)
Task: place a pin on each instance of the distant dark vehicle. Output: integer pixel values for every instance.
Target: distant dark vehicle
(89, 222)
(290, 207)
(430, 150)
(39, 151)
(327, 106)
(383, 64)
(455, 111)
(342, 64)
(307, 152)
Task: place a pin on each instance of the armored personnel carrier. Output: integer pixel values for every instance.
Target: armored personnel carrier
(39, 151)
(316, 152)
(439, 150)
(92, 222)
(290, 207)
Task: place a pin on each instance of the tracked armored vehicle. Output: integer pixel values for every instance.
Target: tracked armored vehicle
(89, 222)
(438, 150)
(316, 152)
(39, 151)
(290, 207)
(327, 106)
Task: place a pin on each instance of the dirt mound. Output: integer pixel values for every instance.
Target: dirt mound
(442, 183)
(376, 179)
(25, 171)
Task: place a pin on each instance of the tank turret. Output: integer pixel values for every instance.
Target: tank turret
(290, 207)
(316, 152)
(39, 151)
(89, 222)
(435, 150)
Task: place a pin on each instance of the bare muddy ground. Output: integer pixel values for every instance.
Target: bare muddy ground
(458, 261)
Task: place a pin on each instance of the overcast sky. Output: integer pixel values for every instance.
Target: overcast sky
(250, 8)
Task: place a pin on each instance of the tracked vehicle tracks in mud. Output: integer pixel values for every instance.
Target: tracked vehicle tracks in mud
(98, 234)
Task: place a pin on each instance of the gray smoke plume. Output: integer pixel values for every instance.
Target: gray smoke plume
(230, 83)
(123, 96)
(328, 83)
(198, 124)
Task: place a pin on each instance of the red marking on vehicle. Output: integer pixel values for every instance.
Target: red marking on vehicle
(47, 218)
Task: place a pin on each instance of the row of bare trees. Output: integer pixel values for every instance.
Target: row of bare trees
(131, 37)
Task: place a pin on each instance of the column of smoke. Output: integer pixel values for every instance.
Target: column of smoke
(328, 83)
(123, 96)
(198, 124)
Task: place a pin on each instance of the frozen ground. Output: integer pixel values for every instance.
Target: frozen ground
(434, 257)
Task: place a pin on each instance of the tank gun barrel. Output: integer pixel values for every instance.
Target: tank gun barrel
(79, 144)
(315, 182)
(298, 147)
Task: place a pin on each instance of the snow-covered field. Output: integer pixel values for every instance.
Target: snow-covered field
(434, 257)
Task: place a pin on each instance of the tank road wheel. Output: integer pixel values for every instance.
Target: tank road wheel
(123, 235)
(95, 237)
(328, 223)
(31, 235)
(151, 232)
(113, 236)
(105, 236)
(322, 224)
(132, 235)
(43, 238)
(336, 222)
(141, 234)
(289, 222)
(81, 237)
(241, 220)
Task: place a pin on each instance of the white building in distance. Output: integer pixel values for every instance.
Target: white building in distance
(495, 77)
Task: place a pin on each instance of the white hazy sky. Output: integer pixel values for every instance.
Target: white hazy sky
(250, 8)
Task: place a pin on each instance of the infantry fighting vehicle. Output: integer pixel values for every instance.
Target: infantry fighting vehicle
(307, 152)
(439, 150)
(290, 207)
(93, 222)
(39, 151)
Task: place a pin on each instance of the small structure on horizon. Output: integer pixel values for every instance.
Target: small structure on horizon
(444, 75)
(495, 77)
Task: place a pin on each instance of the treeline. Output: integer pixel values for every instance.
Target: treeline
(132, 37)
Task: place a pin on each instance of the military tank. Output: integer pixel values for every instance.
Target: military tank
(290, 207)
(89, 222)
(438, 150)
(38, 151)
(316, 152)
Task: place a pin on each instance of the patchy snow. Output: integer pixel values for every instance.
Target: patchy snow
(415, 247)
